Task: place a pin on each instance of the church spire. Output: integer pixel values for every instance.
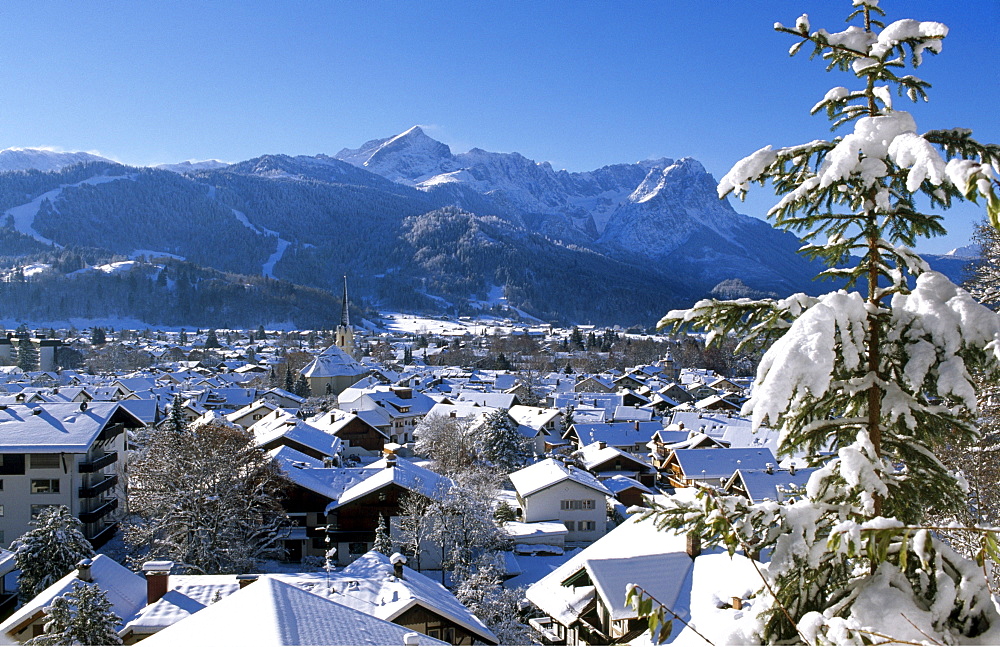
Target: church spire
(345, 317)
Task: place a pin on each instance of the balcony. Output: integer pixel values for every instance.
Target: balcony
(99, 512)
(109, 458)
(99, 488)
(104, 535)
(110, 431)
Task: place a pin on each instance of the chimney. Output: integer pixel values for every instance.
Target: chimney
(769, 468)
(601, 444)
(83, 570)
(245, 579)
(411, 638)
(693, 544)
(791, 469)
(637, 425)
(157, 579)
(390, 460)
(397, 560)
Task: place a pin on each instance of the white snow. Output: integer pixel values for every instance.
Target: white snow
(24, 215)
(268, 268)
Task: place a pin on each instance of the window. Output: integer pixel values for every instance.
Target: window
(44, 486)
(37, 508)
(576, 504)
(43, 461)
(357, 548)
(434, 633)
(584, 526)
(449, 635)
(1, 510)
(1, 485)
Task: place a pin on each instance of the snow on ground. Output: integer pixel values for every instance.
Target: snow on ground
(152, 253)
(119, 267)
(35, 268)
(24, 215)
(268, 268)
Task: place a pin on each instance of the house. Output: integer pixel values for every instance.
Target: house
(631, 437)
(403, 407)
(627, 490)
(251, 413)
(332, 371)
(689, 467)
(604, 462)
(126, 592)
(290, 431)
(387, 589)
(584, 598)
(45, 347)
(550, 490)
(769, 484)
(62, 454)
(352, 518)
(358, 435)
(595, 384)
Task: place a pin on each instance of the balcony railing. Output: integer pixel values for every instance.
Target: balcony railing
(97, 489)
(104, 535)
(97, 464)
(110, 431)
(99, 512)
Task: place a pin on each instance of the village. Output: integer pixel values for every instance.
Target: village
(361, 461)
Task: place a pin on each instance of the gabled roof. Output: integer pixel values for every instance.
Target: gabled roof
(298, 431)
(616, 433)
(634, 552)
(388, 597)
(271, 612)
(57, 427)
(720, 463)
(593, 456)
(776, 485)
(310, 473)
(549, 472)
(405, 474)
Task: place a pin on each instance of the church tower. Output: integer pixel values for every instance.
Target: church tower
(344, 336)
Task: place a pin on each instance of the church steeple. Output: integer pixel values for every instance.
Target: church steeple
(344, 337)
(345, 317)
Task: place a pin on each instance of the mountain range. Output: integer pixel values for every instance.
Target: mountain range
(415, 227)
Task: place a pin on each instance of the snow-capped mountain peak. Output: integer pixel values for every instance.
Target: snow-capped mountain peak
(191, 166)
(409, 157)
(43, 159)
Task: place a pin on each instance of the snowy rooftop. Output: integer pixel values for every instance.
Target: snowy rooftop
(721, 463)
(655, 560)
(272, 612)
(405, 474)
(59, 427)
(548, 472)
(333, 362)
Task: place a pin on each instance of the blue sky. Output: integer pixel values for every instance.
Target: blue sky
(578, 83)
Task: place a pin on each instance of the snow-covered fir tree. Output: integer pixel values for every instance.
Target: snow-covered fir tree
(865, 383)
(53, 546)
(501, 445)
(82, 616)
(383, 542)
(207, 499)
(27, 355)
(176, 422)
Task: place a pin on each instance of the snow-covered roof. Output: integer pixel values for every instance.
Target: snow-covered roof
(125, 590)
(616, 433)
(534, 417)
(390, 597)
(56, 427)
(722, 462)
(549, 472)
(519, 530)
(309, 473)
(334, 362)
(593, 456)
(271, 612)
(404, 473)
(298, 431)
(776, 485)
(635, 552)
(619, 483)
